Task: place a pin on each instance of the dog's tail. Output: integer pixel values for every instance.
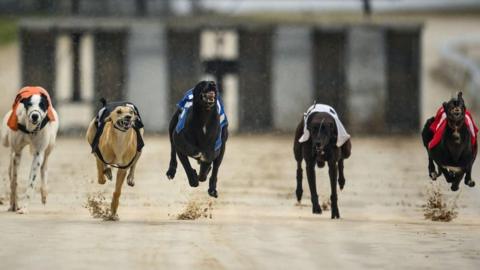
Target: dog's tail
(4, 132)
(103, 101)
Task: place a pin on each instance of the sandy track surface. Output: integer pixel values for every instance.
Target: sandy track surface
(255, 222)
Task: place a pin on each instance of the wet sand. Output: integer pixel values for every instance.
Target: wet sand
(255, 222)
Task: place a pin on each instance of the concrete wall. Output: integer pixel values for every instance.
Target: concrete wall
(292, 75)
(147, 75)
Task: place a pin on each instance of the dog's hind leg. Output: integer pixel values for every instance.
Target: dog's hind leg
(427, 136)
(297, 152)
(44, 175)
(299, 190)
(341, 176)
(121, 173)
(432, 171)
(15, 158)
(191, 173)
(172, 167)
(37, 162)
(131, 172)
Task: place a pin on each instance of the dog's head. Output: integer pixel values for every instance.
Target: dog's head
(34, 109)
(455, 109)
(123, 117)
(205, 93)
(322, 132)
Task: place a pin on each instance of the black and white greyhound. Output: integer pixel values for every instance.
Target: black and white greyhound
(33, 126)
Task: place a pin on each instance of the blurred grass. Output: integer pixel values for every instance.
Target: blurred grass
(8, 31)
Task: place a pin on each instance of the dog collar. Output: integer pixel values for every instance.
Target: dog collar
(24, 129)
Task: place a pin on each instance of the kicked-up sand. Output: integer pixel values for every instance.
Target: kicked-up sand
(254, 224)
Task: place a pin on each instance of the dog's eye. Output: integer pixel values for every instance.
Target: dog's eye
(119, 111)
(43, 105)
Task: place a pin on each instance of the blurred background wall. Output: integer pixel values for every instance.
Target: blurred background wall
(385, 65)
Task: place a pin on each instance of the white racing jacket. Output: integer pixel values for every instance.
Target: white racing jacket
(342, 136)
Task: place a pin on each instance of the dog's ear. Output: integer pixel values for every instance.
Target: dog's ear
(444, 105)
(47, 102)
(198, 88)
(107, 119)
(212, 86)
(103, 101)
(460, 98)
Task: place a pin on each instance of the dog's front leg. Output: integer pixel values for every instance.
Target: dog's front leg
(34, 172)
(310, 168)
(15, 158)
(205, 168)
(101, 170)
(131, 173)
(432, 171)
(332, 173)
(191, 173)
(44, 175)
(121, 173)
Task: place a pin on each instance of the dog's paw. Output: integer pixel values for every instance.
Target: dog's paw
(101, 180)
(213, 193)
(433, 175)
(112, 217)
(44, 196)
(203, 176)
(193, 178)
(341, 182)
(108, 173)
(171, 173)
(13, 208)
(470, 183)
(22, 211)
(316, 209)
(454, 187)
(130, 180)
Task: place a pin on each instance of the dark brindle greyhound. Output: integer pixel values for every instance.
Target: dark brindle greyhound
(199, 131)
(455, 151)
(321, 147)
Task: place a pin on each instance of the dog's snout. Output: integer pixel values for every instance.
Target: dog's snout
(34, 117)
(128, 117)
(211, 96)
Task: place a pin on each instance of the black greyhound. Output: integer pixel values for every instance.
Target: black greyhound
(455, 151)
(321, 147)
(203, 135)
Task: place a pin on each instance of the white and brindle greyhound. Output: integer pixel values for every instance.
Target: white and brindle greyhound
(32, 121)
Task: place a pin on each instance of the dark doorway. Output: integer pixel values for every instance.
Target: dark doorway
(110, 52)
(254, 70)
(38, 62)
(329, 47)
(183, 62)
(403, 80)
